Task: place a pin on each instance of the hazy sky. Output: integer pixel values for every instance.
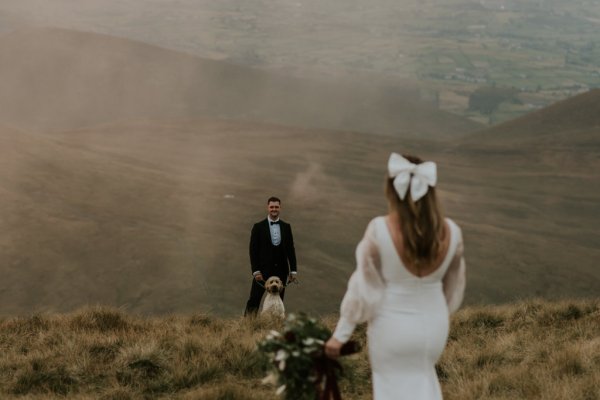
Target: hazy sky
(374, 35)
(263, 33)
(450, 47)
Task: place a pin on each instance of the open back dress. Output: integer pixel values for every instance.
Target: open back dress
(407, 315)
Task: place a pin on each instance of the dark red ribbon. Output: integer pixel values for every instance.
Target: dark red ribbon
(327, 386)
(327, 369)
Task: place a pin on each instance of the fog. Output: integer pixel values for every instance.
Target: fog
(296, 35)
(546, 49)
(123, 124)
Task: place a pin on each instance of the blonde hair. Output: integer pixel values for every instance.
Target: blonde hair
(421, 223)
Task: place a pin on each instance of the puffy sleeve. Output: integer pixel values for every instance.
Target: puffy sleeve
(365, 287)
(454, 280)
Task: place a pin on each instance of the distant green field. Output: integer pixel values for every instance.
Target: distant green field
(548, 49)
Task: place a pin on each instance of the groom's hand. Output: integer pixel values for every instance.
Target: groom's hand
(259, 278)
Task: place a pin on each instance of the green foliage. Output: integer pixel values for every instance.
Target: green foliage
(487, 99)
(292, 356)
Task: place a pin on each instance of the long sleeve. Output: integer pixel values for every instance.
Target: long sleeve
(365, 287)
(454, 281)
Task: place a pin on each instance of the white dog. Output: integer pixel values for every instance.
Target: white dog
(272, 304)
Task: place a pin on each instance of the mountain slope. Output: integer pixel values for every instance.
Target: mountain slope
(564, 136)
(58, 79)
(155, 216)
(538, 178)
(581, 112)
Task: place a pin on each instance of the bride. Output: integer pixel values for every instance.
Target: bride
(410, 276)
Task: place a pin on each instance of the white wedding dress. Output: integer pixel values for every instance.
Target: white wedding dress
(407, 315)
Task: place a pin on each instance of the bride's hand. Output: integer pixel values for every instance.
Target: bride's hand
(332, 348)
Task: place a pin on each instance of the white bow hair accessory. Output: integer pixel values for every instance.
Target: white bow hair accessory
(418, 176)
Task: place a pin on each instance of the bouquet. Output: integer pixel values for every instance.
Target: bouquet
(299, 367)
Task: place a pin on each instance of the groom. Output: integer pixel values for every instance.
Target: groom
(271, 254)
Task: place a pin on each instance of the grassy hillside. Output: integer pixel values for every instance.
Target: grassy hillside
(567, 117)
(526, 350)
(54, 79)
(155, 215)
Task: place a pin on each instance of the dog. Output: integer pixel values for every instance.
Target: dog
(272, 304)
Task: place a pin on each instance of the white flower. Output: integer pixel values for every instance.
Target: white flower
(273, 335)
(295, 353)
(281, 365)
(270, 379)
(280, 390)
(309, 341)
(281, 355)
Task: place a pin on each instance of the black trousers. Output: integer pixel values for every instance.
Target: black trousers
(256, 294)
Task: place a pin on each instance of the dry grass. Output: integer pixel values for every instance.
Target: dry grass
(532, 350)
(529, 350)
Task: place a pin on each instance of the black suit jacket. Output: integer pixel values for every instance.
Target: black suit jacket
(264, 257)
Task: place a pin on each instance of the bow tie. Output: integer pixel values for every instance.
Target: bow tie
(274, 222)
